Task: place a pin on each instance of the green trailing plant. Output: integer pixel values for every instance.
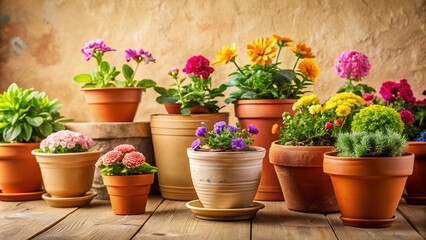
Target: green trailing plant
(27, 115)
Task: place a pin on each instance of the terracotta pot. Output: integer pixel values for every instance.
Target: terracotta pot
(264, 114)
(416, 183)
(171, 136)
(19, 171)
(128, 194)
(368, 190)
(113, 104)
(226, 180)
(305, 186)
(175, 109)
(67, 174)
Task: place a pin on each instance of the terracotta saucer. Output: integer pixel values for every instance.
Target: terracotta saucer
(69, 202)
(368, 223)
(233, 214)
(415, 200)
(17, 197)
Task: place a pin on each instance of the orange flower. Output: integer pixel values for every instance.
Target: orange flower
(225, 55)
(309, 68)
(262, 51)
(275, 128)
(282, 41)
(302, 51)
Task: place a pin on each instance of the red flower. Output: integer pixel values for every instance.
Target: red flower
(199, 66)
(328, 125)
(338, 122)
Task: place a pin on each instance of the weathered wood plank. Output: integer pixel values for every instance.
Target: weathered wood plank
(22, 220)
(97, 221)
(275, 221)
(400, 229)
(174, 221)
(415, 214)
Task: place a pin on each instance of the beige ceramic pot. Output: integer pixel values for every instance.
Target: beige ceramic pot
(226, 180)
(67, 174)
(171, 136)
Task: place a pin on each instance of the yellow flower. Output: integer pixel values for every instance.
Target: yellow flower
(309, 68)
(282, 41)
(302, 51)
(262, 51)
(305, 101)
(343, 110)
(225, 55)
(314, 109)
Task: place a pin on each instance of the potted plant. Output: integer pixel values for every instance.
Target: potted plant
(128, 178)
(172, 133)
(107, 95)
(370, 167)
(26, 118)
(399, 96)
(304, 138)
(67, 162)
(226, 170)
(265, 91)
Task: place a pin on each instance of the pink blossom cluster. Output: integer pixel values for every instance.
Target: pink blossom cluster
(199, 66)
(406, 116)
(66, 139)
(94, 46)
(390, 91)
(352, 64)
(124, 153)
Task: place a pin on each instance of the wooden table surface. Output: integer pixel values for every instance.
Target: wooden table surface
(167, 219)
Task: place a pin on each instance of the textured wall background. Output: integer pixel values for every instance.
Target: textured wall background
(40, 39)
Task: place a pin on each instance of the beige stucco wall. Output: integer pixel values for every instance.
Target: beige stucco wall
(40, 39)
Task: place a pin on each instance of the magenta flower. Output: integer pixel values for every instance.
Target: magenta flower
(352, 64)
(405, 91)
(111, 157)
(93, 47)
(199, 66)
(125, 148)
(133, 159)
(368, 97)
(406, 116)
(238, 144)
(138, 56)
(389, 90)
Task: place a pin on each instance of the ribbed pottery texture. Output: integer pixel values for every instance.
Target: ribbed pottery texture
(226, 180)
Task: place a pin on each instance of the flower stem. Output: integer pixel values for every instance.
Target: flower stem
(278, 54)
(295, 64)
(239, 69)
(133, 75)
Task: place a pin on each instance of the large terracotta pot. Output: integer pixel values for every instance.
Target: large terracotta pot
(113, 104)
(19, 171)
(171, 136)
(226, 180)
(369, 189)
(128, 194)
(175, 109)
(305, 186)
(416, 183)
(264, 114)
(67, 174)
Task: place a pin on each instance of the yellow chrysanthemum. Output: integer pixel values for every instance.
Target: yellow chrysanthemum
(225, 55)
(309, 68)
(302, 51)
(314, 109)
(262, 51)
(305, 101)
(344, 98)
(282, 41)
(343, 110)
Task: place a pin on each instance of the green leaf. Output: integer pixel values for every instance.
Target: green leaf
(127, 72)
(119, 83)
(185, 111)
(146, 83)
(166, 99)
(11, 133)
(36, 121)
(27, 131)
(161, 90)
(283, 76)
(248, 95)
(46, 129)
(105, 67)
(83, 78)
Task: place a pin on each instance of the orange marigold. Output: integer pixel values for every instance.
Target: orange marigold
(275, 128)
(302, 51)
(225, 55)
(282, 41)
(309, 68)
(262, 51)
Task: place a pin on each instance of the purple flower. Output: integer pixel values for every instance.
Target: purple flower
(232, 129)
(195, 144)
(148, 58)
(200, 131)
(406, 116)
(199, 66)
(131, 53)
(218, 127)
(238, 144)
(252, 129)
(352, 64)
(93, 47)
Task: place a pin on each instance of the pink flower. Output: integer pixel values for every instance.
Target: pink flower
(94, 46)
(66, 141)
(111, 157)
(389, 90)
(352, 64)
(133, 159)
(338, 122)
(405, 91)
(199, 66)
(328, 125)
(406, 116)
(368, 97)
(125, 148)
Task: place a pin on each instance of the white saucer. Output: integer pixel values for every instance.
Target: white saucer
(70, 201)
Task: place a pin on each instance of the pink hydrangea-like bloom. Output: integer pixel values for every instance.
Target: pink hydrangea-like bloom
(352, 64)
(66, 139)
(406, 116)
(125, 148)
(405, 91)
(94, 46)
(199, 66)
(133, 159)
(111, 157)
(389, 90)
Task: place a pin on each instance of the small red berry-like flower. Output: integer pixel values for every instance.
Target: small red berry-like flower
(275, 128)
(338, 122)
(328, 125)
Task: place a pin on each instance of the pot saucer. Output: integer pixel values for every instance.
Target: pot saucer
(232, 214)
(415, 200)
(368, 223)
(69, 201)
(17, 197)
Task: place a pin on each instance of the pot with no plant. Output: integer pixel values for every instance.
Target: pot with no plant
(26, 118)
(128, 178)
(370, 168)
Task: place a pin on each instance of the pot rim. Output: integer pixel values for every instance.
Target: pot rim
(264, 101)
(113, 88)
(299, 147)
(333, 155)
(257, 148)
(65, 154)
(416, 143)
(19, 144)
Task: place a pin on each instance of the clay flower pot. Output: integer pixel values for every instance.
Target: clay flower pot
(368, 189)
(175, 109)
(226, 180)
(113, 104)
(264, 114)
(128, 194)
(305, 186)
(416, 183)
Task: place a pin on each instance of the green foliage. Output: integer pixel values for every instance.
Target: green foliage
(360, 89)
(371, 144)
(27, 115)
(377, 118)
(119, 169)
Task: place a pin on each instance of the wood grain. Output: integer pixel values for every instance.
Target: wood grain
(415, 215)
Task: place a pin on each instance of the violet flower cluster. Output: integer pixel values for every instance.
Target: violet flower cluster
(353, 65)
(139, 56)
(224, 138)
(66, 141)
(95, 47)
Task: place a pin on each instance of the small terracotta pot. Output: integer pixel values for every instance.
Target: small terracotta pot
(305, 186)
(416, 183)
(226, 180)
(67, 174)
(264, 114)
(368, 189)
(113, 104)
(175, 109)
(19, 171)
(128, 194)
